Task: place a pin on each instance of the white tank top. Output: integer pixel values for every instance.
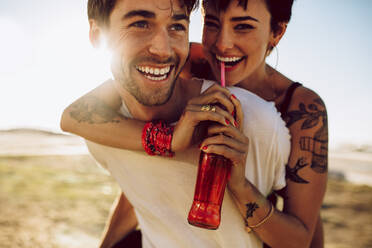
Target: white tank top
(161, 189)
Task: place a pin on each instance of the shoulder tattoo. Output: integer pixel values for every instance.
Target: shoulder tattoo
(312, 115)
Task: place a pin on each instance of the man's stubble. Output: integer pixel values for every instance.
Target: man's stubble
(156, 97)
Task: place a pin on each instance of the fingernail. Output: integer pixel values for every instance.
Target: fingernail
(227, 121)
(233, 113)
(235, 124)
(233, 96)
(205, 147)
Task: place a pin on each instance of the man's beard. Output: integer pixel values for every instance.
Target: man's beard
(154, 98)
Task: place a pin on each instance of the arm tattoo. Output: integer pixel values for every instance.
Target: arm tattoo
(251, 207)
(292, 173)
(93, 110)
(312, 115)
(317, 145)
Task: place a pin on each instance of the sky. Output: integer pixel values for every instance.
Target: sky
(46, 61)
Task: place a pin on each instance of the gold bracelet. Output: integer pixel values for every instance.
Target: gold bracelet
(249, 228)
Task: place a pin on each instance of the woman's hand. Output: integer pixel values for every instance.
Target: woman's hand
(187, 131)
(230, 142)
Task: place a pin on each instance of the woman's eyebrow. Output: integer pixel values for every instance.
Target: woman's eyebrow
(243, 18)
(212, 17)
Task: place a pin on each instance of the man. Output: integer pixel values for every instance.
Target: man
(148, 40)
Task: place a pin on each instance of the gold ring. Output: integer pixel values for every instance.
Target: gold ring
(206, 107)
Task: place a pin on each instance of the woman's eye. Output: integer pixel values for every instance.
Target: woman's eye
(210, 24)
(140, 24)
(243, 27)
(178, 27)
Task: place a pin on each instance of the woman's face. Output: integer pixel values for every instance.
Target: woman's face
(239, 37)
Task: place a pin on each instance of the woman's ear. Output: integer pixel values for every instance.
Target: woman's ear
(278, 33)
(95, 33)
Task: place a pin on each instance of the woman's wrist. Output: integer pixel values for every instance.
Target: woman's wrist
(241, 189)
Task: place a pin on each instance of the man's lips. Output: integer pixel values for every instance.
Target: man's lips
(155, 73)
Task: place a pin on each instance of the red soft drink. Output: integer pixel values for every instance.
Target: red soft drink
(213, 173)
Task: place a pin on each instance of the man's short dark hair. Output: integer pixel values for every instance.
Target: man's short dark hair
(100, 10)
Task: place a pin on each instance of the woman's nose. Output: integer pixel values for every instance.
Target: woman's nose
(224, 41)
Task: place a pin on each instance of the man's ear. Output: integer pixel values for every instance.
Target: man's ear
(95, 33)
(278, 33)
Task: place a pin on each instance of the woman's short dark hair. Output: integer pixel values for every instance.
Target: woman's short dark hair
(280, 10)
(100, 10)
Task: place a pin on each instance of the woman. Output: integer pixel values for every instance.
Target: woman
(242, 34)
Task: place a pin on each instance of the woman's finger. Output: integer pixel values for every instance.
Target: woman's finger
(230, 131)
(216, 96)
(208, 109)
(239, 115)
(235, 156)
(221, 139)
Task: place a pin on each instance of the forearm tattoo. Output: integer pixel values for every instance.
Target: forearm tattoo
(92, 110)
(292, 173)
(250, 208)
(317, 145)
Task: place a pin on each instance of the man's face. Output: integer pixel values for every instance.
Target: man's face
(149, 44)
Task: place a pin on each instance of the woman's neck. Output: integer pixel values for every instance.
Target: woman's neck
(267, 83)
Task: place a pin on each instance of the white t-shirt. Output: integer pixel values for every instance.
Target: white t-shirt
(161, 189)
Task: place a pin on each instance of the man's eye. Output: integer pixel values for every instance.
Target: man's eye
(209, 24)
(140, 24)
(178, 27)
(243, 27)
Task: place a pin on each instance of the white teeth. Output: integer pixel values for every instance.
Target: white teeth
(156, 78)
(153, 70)
(228, 59)
(154, 73)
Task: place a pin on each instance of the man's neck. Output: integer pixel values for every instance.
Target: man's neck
(169, 111)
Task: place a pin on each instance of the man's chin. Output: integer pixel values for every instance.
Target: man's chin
(152, 102)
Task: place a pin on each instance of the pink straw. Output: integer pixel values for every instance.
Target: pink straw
(223, 83)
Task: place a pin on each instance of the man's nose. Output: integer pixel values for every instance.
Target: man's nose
(224, 41)
(161, 44)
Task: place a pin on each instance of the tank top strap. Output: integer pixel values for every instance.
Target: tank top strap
(288, 97)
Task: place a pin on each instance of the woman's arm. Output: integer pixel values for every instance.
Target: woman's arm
(306, 175)
(95, 117)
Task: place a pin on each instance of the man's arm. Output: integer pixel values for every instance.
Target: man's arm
(95, 117)
(121, 222)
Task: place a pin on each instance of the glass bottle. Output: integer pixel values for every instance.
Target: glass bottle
(213, 174)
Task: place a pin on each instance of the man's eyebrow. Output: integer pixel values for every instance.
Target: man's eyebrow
(212, 17)
(243, 18)
(179, 17)
(140, 13)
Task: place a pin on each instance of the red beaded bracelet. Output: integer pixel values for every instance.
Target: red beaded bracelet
(157, 138)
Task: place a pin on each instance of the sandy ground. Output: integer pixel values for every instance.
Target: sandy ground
(52, 199)
(344, 164)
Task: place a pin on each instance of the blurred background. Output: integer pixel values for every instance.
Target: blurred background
(48, 183)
